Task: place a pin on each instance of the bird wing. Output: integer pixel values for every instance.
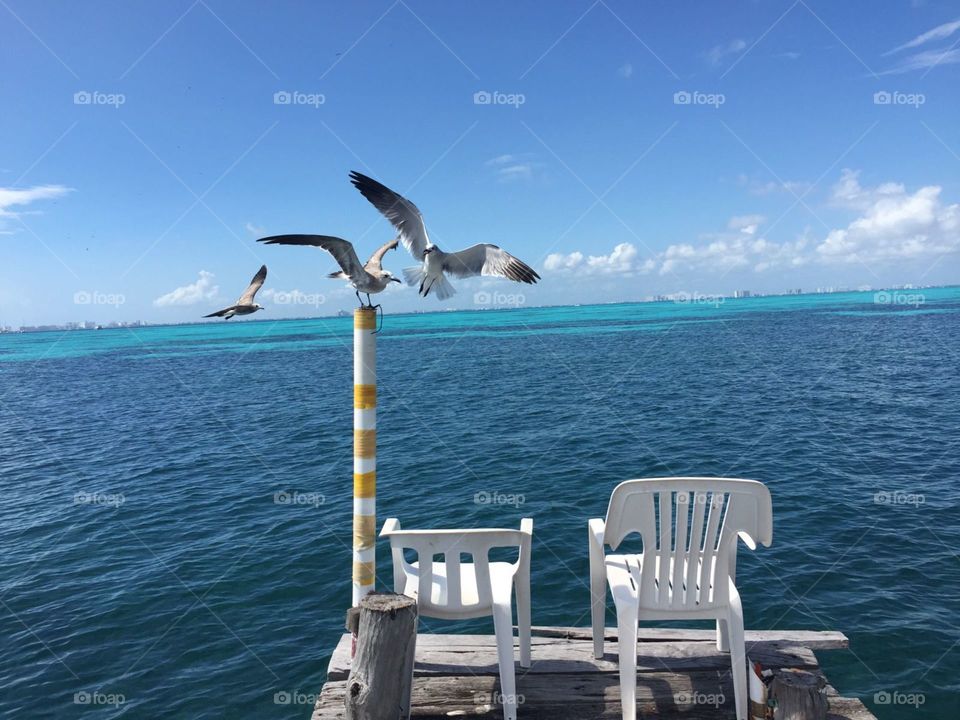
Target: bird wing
(373, 264)
(486, 259)
(221, 313)
(342, 250)
(401, 213)
(253, 287)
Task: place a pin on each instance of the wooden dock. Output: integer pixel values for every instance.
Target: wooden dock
(680, 673)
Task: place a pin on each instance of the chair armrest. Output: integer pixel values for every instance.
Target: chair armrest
(390, 526)
(596, 528)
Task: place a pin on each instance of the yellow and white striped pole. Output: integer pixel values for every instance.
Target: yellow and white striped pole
(364, 451)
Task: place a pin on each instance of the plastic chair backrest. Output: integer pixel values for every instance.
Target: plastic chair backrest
(689, 527)
(451, 543)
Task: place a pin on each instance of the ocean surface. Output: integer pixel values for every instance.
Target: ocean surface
(149, 572)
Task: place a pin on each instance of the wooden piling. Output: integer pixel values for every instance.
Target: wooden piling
(381, 674)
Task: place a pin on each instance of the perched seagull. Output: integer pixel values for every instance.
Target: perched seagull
(482, 259)
(245, 305)
(369, 278)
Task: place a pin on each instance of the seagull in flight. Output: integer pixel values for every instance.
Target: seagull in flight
(369, 278)
(482, 259)
(245, 305)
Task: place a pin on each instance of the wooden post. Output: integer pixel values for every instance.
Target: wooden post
(381, 675)
(364, 451)
(799, 695)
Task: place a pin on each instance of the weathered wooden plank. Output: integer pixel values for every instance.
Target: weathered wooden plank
(691, 696)
(576, 656)
(813, 639)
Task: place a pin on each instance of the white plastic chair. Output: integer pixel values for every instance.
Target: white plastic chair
(687, 570)
(456, 590)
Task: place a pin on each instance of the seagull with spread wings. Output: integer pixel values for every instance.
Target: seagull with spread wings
(369, 278)
(482, 259)
(245, 305)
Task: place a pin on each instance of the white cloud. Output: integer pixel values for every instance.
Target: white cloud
(938, 33)
(18, 197)
(746, 224)
(625, 70)
(717, 53)
(924, 60)
(254, 229)
(755, 187)
(894, 224)
(891, 225)
(560, 261)
(509, 168)
(202, 289)
(929, 58)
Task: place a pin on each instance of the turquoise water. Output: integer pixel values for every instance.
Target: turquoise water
(147, 564)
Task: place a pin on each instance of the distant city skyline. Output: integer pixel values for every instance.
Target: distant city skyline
(891, 295)
(623, 151)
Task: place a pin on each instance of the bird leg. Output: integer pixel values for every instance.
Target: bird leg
(379, 309)
(357, 292)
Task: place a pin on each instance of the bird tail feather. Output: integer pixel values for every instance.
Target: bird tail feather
(443, 287)
(414, 275)
(339, 274)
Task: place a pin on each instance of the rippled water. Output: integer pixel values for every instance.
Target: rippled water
(179, 584)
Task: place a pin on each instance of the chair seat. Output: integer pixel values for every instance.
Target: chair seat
(624, 573)
(501, 576)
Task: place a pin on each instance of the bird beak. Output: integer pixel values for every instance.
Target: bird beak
(394, 279)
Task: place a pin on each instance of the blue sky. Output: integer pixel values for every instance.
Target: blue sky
(629, 149)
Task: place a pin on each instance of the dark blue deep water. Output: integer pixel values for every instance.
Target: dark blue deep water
(179, 584)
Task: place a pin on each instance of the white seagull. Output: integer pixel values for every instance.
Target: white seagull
(245, 305)
(482, 259)
(369, 278)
